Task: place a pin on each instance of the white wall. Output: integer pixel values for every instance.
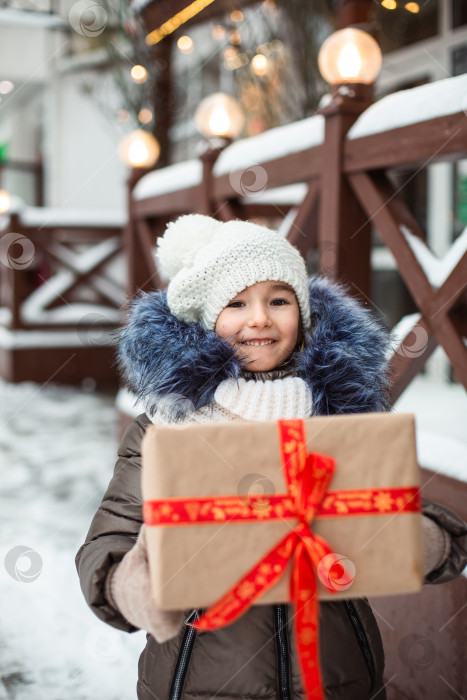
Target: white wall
(49, 112)
(81, 149)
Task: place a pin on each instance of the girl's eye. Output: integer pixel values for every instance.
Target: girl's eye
(277, 302)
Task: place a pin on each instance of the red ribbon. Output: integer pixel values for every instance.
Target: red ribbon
(307, 478)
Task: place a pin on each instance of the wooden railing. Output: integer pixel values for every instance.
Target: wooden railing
(52, 270)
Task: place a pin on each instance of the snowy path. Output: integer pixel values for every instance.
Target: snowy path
(57, 448)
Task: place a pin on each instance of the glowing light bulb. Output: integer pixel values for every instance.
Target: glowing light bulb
(5, 201)
(259, 64)
(349, 62)
(219, 121)
(185, 44)
(389, 4)
(219, 115)
(6, 86)
(236, 16)
(413, 7)
(139, 149)
(139, 74)
(218, 32)
(138, 153)
(123, 115)
(350, 56)
(145, 115)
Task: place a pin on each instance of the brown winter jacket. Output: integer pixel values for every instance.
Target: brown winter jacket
(255, 657)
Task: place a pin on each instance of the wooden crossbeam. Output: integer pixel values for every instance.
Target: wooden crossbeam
(145, 241)
(419, 144)
(287, 170)
(69, 260)
(389, 214)
(301, 233)
(410, 356)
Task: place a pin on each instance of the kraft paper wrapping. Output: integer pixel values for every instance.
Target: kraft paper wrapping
(194, 565)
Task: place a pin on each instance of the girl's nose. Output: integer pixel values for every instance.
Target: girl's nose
(259, 317)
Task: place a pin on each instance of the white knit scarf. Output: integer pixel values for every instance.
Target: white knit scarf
(246, 399)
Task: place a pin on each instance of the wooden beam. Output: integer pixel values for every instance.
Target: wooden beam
(410, 357)
(447, 295)
(256, 210)
(145, 237)
(344, 230)
(388, 212)
(377, 196)
(301, 235)
(296, 167)
(416, 145)
(169, 204)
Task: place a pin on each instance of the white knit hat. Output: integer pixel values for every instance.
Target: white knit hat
(209, 262)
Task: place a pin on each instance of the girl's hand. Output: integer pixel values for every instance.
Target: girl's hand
(128, 590)
(436, 545)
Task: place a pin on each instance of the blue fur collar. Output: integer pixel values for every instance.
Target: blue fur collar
(344, 360)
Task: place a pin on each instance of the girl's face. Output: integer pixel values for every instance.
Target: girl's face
(262, 323)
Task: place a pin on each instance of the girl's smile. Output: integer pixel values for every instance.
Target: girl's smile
(264, 320)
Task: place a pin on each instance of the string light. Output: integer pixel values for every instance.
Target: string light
(139, 74)
(263, 48)
(236, 60)
(236, 16)
(219, 115)
(5, 201)
(259, 64)
(230, 52)
(139, 149)
(6, 86)
(389, 4)
(276, 45)
(145, 115)
(234, 37)
(185, 44)
(176, 21)
(123, 115)
(413, 7)
(218, 32)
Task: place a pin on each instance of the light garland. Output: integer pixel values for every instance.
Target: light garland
(176, 21)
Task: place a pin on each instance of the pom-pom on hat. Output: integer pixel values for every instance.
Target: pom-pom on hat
(209, 262)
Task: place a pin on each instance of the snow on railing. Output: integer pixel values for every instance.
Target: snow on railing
(34, 308)
(274, 143)
(437, 271)
(175, 177)
(418, 104)
(400, 332)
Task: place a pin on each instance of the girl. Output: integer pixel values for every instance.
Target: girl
(242, 334)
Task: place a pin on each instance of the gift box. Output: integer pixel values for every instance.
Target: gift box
(227, 505)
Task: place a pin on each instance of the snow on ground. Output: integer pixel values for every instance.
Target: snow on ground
(440, 410)
(58, 448)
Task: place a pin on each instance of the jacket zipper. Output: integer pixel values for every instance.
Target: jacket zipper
(184, 655)
(282, 649)
(362, 640)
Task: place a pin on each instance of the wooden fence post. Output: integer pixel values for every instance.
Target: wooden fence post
(344, 238)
